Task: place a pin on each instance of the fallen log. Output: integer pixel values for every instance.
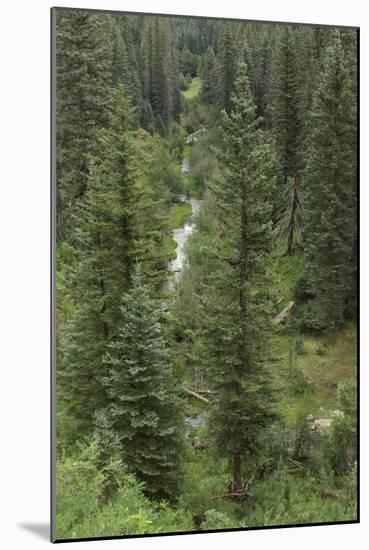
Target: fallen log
(197, 396)
(295, 463)
(285, 314)
(203, 392)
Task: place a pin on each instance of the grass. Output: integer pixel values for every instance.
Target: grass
(193, 89)
(327, 359)
(322, 372)
(286, 270)
(178, 214)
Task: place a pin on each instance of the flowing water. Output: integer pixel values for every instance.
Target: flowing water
(181, 235)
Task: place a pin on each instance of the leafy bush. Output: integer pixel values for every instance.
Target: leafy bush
(217, 520)
(83, 511)
(296, 380)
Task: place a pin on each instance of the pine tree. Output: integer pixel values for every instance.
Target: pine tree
(140, 385)
(236, 317)
(83, 80)
(226, 69)
(125, 67)
(108, 243)
(264, 74)
(285, 104)
(160, 71)
(207, 76)
(329, 187)
(287, 129)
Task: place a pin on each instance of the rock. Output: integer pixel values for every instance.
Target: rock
(191, 138)
(336, 413)
(185, 167)
(196, 421)
(321, 425)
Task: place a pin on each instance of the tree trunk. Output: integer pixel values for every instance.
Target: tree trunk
(197, 396)
(237, 480)
(295, 201)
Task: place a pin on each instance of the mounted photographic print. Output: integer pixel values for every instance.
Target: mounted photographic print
(204, 239)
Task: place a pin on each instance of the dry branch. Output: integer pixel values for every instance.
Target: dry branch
(197, 396)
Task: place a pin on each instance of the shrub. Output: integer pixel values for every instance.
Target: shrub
(303, 289)
(340, 443)
(310, 317)
(217, 520)
(82, 509)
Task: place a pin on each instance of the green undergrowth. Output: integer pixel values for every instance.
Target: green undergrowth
(170, 247)
(178, 214)
(193, 89)
(307, 366)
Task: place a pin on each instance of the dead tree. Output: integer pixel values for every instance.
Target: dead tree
(288, 227)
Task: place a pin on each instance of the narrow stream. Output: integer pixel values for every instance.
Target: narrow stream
(181, 234)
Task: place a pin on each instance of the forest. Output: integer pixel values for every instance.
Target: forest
(206, 274)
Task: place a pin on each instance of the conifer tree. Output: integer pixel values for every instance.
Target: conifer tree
(285, 104)
(160, 71)
(262, 81)
(329, 183)
(227, 59)
(117, 225)
(287, 129)
(289, 225)
(83, 80)
(108, 243)
(207, 76)
(143, 403)
(236, 317)
(125, 67)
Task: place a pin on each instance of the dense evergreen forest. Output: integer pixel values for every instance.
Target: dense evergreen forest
(206, 274)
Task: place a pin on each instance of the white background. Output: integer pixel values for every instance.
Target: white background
(24, 272)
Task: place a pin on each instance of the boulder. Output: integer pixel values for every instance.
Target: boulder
(321, 425)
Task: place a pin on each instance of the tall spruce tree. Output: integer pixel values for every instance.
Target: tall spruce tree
(287, 129)
(159, 72)
(236, 317)
(143, 407)
(226, 66)
(262, 80)
(285, 103)
(329, 187)
(108, 243)
(125, 66)
(208, 76)
(83, 106)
